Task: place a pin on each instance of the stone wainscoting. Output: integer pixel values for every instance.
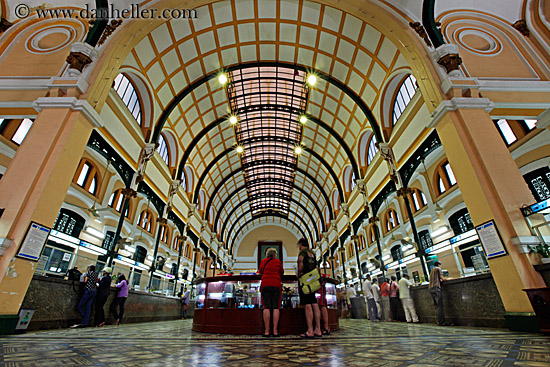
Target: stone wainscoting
(470, 301)
(55, 301)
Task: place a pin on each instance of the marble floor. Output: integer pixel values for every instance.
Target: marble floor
(357, 343)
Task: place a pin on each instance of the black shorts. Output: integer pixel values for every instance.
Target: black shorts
(271, 298)
(307, 299)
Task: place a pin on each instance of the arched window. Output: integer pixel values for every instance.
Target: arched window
(15, 129)
(145, 220)
(140, 254)
(349, 179)
(513, 130)
(444, 178)
(371, 238)
(175, 243)
(164, 233)
(406, 92)
(188, 251)
(163, 150)
(417, 199)
(86, 176)
(391, 220)
(187, 177)
(372, 149)
(116, 200)
(126, 90)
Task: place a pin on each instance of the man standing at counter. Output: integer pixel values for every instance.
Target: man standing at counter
(436, 277)
(271, 269)
(306, 263)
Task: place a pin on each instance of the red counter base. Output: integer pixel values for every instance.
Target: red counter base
(250, 322)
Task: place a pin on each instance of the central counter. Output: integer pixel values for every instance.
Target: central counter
(232, 304)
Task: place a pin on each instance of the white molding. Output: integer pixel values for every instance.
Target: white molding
(495, 85)
(24, 83)
(456, 103)
(5, 244)
(72, 103)
(544, 120)
(41, 83)
(523, 243)
(17, 104)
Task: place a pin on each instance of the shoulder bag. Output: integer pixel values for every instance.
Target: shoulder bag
(310, 282)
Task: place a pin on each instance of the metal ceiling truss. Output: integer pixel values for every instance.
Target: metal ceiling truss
(275, 215)
(306, 69)
(302, 191)
(268, 213)
(268, 102)
(300, 205)
(298, 170)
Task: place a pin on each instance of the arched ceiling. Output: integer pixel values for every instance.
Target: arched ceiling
(281, 42)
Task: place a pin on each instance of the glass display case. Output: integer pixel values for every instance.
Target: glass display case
(228, 292)
(233, 305)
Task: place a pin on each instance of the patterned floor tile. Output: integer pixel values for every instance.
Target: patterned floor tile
(357, 343)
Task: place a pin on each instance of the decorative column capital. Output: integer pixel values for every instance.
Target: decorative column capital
(521, 27)
(4, 25)
(373, 220)
(419, 29)
(404, 191)
(81, 55)
(162, 220)
(447, 56)
(129, 193)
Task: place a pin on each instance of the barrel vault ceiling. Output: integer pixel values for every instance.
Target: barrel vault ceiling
(273, 48)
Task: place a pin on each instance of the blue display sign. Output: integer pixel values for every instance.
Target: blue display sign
(535, 208)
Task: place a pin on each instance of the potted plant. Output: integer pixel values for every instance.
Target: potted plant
(543, 249)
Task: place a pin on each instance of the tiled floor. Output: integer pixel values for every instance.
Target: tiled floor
(358, 343)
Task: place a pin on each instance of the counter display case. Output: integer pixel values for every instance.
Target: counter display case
(233, 305)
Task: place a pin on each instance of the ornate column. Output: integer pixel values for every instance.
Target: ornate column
(491, 185)
(374, 221)
(34, 187)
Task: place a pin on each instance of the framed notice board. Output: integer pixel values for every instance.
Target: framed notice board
(33, 242)
(490, 239)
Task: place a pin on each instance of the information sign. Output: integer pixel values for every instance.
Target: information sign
(34, 241)
(490, 239)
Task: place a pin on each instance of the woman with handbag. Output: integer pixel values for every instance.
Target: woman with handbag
(120, 299)
(307, 265)
(271, 269)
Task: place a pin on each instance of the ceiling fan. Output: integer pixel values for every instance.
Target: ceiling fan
(92, 209)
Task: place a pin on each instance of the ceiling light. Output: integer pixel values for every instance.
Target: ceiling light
(222, 78)
(298, 150)
(303, 119)
(233, 120)
(311, 80)
(239, 149)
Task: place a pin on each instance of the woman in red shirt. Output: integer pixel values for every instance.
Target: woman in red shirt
(271, 270)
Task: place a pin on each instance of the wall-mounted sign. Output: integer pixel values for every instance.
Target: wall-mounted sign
(490, 239)
(33, 243)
